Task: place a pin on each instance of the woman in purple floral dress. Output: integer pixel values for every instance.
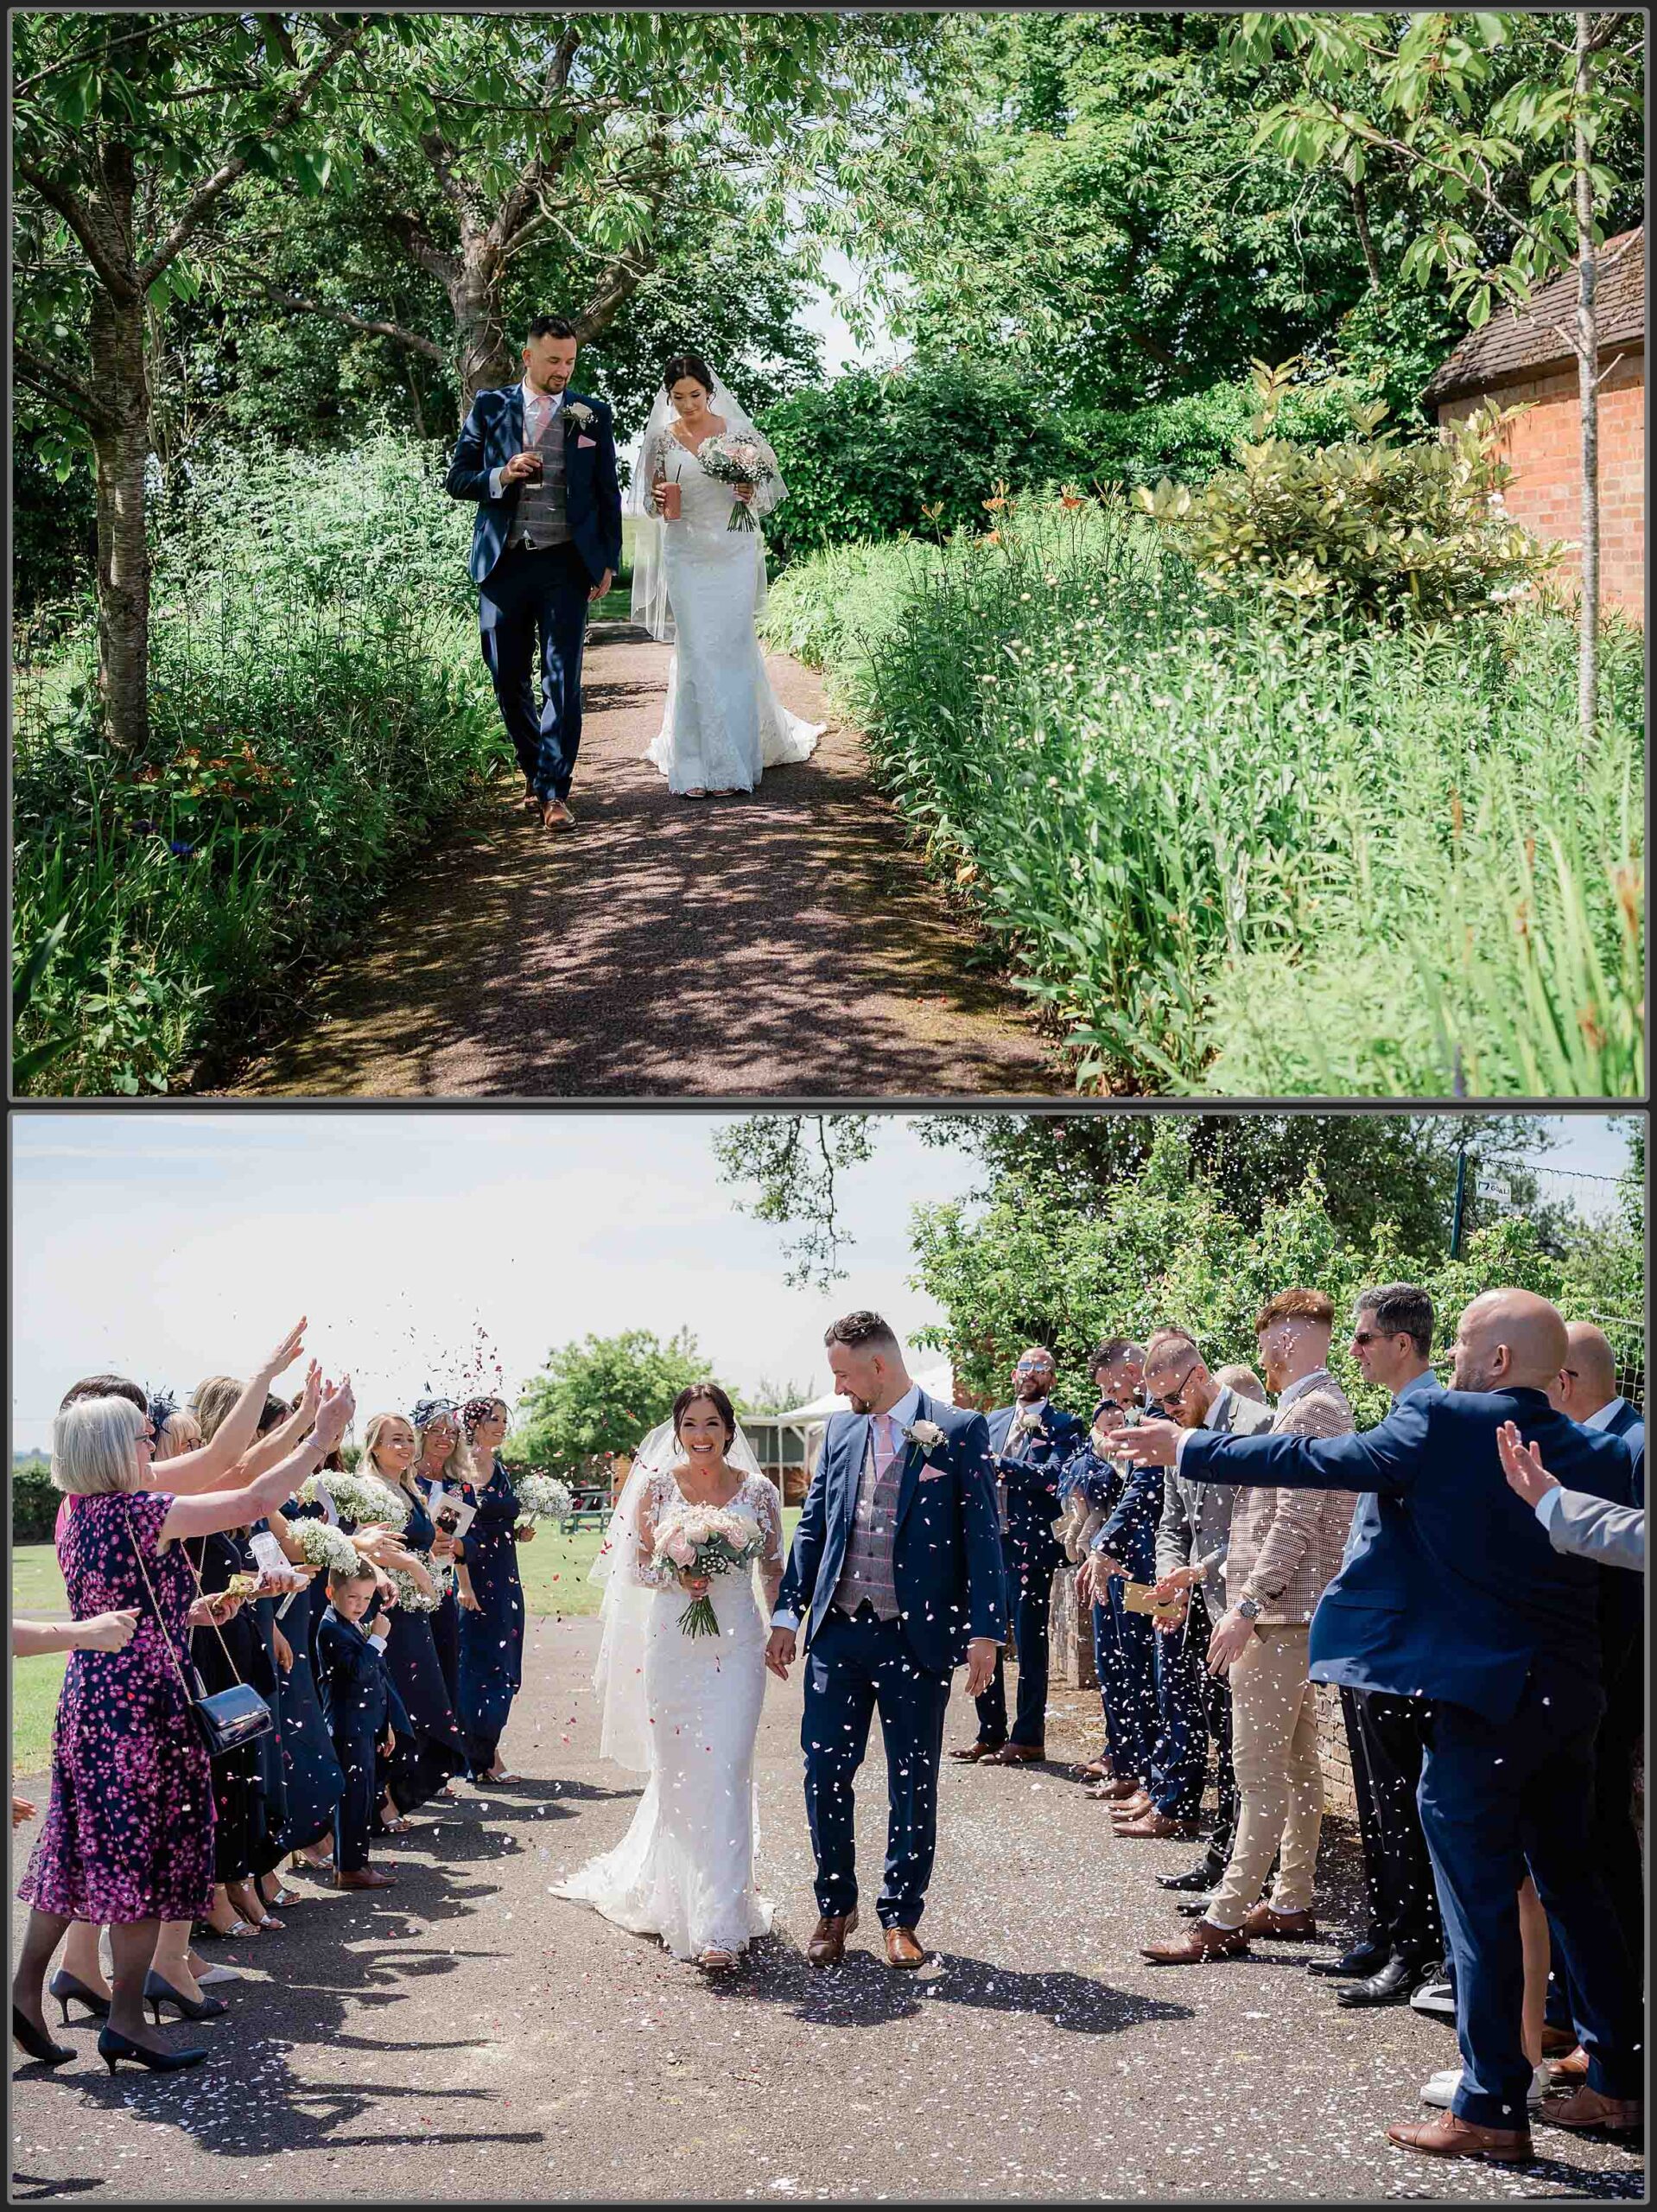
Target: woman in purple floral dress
(128, 1837)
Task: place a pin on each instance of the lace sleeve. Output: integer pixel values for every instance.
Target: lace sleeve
(771, 493)
(771, 1522)
(645, 1568)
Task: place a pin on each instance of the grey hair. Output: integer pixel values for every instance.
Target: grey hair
(95, 1448)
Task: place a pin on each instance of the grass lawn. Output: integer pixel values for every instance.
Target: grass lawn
(554, 1569)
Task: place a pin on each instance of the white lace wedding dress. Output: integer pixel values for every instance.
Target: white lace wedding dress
(723, 724)
(684, 1870)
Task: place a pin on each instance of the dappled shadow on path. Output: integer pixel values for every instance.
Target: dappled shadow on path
(781, 943)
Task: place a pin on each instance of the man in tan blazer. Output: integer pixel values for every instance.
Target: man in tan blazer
(1286, 1546)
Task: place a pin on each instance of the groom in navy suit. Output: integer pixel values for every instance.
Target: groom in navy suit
(1455, 1595)
(540, 461)
(896, 1572)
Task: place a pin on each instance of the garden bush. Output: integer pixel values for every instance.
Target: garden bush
(34, 1502)
(1412, 530)
(1224, 847)
(317, 709)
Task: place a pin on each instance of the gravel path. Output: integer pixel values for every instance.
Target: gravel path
(468, 2037)
(782, 944)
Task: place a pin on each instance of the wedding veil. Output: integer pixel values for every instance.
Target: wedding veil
(618, 1675)
(651, 608)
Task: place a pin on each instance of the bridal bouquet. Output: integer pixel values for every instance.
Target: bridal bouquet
(359, 1498)
(541, 1498)
(411, 1598)
(730, 459)
(706, 1540)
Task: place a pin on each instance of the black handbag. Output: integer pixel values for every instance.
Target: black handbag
(226, 1718)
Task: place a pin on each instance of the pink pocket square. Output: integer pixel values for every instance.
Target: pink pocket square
(930, 1474)
(587, 442)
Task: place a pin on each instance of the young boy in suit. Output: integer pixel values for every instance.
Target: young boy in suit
(364, 1713)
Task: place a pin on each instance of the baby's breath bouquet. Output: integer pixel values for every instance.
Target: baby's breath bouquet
(359, 1498)
(411, 1598)
(330, 1550)
(541, 1498)
(705, 1540)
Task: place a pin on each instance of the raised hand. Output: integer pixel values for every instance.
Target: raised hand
(333, 1415)
(311, 1397)
(1521, 1462)
(288, 1351)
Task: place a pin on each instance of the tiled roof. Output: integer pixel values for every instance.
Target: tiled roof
(1516, 340)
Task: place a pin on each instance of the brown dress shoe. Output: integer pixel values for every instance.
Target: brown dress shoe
(1586, 2108)
(903, 1949)
(1569, 2069)
(973, 1752)
(366, 1878)
(1202, 1940)
(1095, 1770)
(1018, 1755)
(1451, 2137)
(1296, 1927)
(1156, 1826)
(1557, 2041)
(1118, 1790)
(1129, 1809)
(826, 1946)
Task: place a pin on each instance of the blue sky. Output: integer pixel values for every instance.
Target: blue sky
(435, 1248)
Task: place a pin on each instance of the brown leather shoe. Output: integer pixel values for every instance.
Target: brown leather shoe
(366, 1878)
(1569, 2069)
(1557, 2041)
(826, 1946)
(1095, 1770)
(1295, 1926)
(1018, 1755)
(1130, 1809)
(973, 1752)
(556, 814)
(903, 1949)
(1156, 1826)
(1451, 2137)
(1202, 1940)
(1586, 2108)
(1118, 1790)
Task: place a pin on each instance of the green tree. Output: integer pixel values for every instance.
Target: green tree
(129, 132)
(1505, 158)
(601, 1395)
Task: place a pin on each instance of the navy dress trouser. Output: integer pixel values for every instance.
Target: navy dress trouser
(1029, 1572)
(854, 1669)
(357, 1751)
(1494, 1798)
(526, 595)
(1180, 1760)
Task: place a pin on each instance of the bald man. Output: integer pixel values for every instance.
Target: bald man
(1585, 1390)
(1456, 1595)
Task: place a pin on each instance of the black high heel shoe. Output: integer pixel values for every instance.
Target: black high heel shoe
(68, 1990)
(113, 2046)
(28, 2037)
(158, 1991)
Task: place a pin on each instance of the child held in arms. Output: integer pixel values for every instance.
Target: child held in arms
(363, 1714)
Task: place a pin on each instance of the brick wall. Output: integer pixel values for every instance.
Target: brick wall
(1333, 1756)
(1542, 447)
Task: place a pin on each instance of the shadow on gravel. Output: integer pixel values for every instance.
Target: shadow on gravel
(29, 2189)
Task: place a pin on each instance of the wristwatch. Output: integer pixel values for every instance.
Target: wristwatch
(1249, 1608)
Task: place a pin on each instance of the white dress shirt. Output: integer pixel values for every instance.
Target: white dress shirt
(1606, 1414)
(539, 408)
(903, 1416)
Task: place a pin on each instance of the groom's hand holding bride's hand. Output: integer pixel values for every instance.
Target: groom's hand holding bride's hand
(980, 1664)
(779, 1652)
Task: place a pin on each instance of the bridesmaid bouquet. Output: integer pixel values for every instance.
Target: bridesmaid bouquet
(541, 1498)
(706, 1540)
(324, 1548)
(361, 1498)
(729, 459)
(411, 1598)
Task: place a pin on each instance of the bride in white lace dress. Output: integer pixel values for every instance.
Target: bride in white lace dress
(699, 584)
(685, 1709)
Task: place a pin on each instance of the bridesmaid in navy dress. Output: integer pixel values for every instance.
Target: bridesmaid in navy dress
(128, 1839)
(492, 1598)
(425, 1758)
(315, 1783)
(443, 1459)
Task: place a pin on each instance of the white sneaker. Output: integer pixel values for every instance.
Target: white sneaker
(1441, 2089)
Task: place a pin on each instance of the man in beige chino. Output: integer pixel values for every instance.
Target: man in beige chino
(1286, 1546)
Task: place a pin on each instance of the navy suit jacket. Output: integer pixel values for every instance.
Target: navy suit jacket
(1631, 1427)
(358, 1695)
(946, 1550)
(1032, 1478)
(493, 433)
(1458, 1592)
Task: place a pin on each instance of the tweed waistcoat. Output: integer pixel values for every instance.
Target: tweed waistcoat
(542, 518)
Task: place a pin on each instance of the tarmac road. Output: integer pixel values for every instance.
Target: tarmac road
(468, 2037)
(785, 944)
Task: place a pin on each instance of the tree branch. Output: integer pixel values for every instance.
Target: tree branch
(611, 295)
(395, 331)
(115, 278)
(58, 384)
(197, 206)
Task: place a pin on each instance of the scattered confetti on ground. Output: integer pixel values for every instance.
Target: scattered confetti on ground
(468, 2037)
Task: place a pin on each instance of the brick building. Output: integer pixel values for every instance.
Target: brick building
(1525, 357)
